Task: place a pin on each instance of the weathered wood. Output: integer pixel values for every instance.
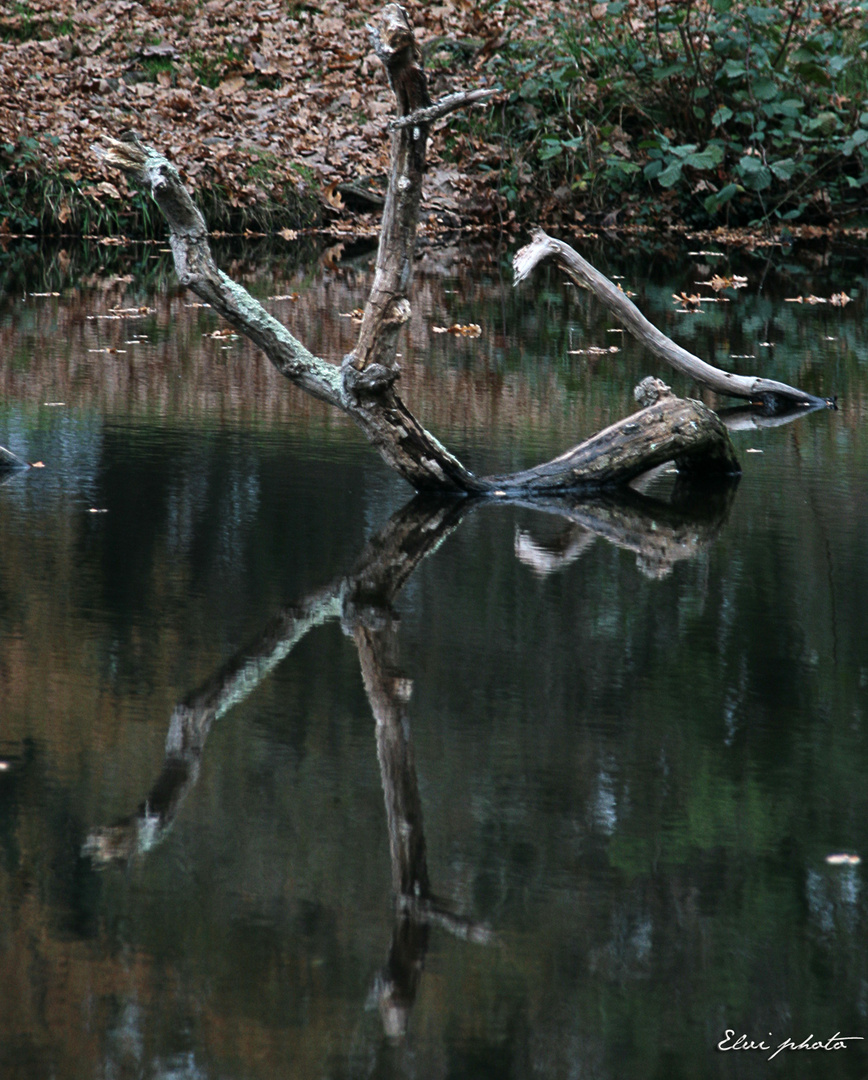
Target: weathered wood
(364, 386)
(388, 424)
(672, 429)
(544, 247)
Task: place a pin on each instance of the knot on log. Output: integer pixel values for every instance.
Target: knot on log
(398, 313)
(373, 381)
(651, 390)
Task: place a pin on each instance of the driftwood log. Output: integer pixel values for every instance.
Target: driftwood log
(364, 385)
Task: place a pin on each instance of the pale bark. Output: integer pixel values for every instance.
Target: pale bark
(767, 391)
(363, 387)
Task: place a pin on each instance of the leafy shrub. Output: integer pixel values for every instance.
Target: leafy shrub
(750, 111)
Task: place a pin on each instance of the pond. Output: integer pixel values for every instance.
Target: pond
(606, 752)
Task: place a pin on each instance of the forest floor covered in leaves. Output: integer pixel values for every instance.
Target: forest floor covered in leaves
(275, 115)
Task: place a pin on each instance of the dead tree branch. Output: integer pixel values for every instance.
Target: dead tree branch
(543, 247)
(363, 386)
(8, 460)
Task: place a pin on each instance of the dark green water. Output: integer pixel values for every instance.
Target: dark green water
(634, 735)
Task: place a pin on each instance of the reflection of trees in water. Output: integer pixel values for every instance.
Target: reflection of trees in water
(363, 602)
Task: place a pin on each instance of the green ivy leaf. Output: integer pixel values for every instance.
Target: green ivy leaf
(671, 174)
(783, 169)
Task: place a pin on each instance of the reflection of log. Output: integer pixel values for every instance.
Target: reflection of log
(363, 601)
(388, 695)
(745, 418)
(543, 247)
(660, 533)
(191, 722)
(375, 633)
(386, 563)
(364, 386)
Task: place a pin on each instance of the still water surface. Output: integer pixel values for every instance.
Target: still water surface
(618, 740)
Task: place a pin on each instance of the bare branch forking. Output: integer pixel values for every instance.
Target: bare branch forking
(364, 386)
(543, 247)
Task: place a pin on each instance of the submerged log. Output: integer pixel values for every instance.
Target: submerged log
(672, 429)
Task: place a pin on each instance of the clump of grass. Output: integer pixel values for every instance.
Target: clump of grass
(41, 198)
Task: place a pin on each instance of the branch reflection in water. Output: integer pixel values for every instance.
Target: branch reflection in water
(660, 532)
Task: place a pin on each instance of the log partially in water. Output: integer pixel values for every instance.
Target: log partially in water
(364, 386)
(672, 429)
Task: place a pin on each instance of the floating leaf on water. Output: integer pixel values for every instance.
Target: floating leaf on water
(689, 302)
(594, 350)
(459, 330)
(132, 312)
(843, 859)
(717, 282)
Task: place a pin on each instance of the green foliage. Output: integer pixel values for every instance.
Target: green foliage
(36, 196)
(718, 109)
(212, 70)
